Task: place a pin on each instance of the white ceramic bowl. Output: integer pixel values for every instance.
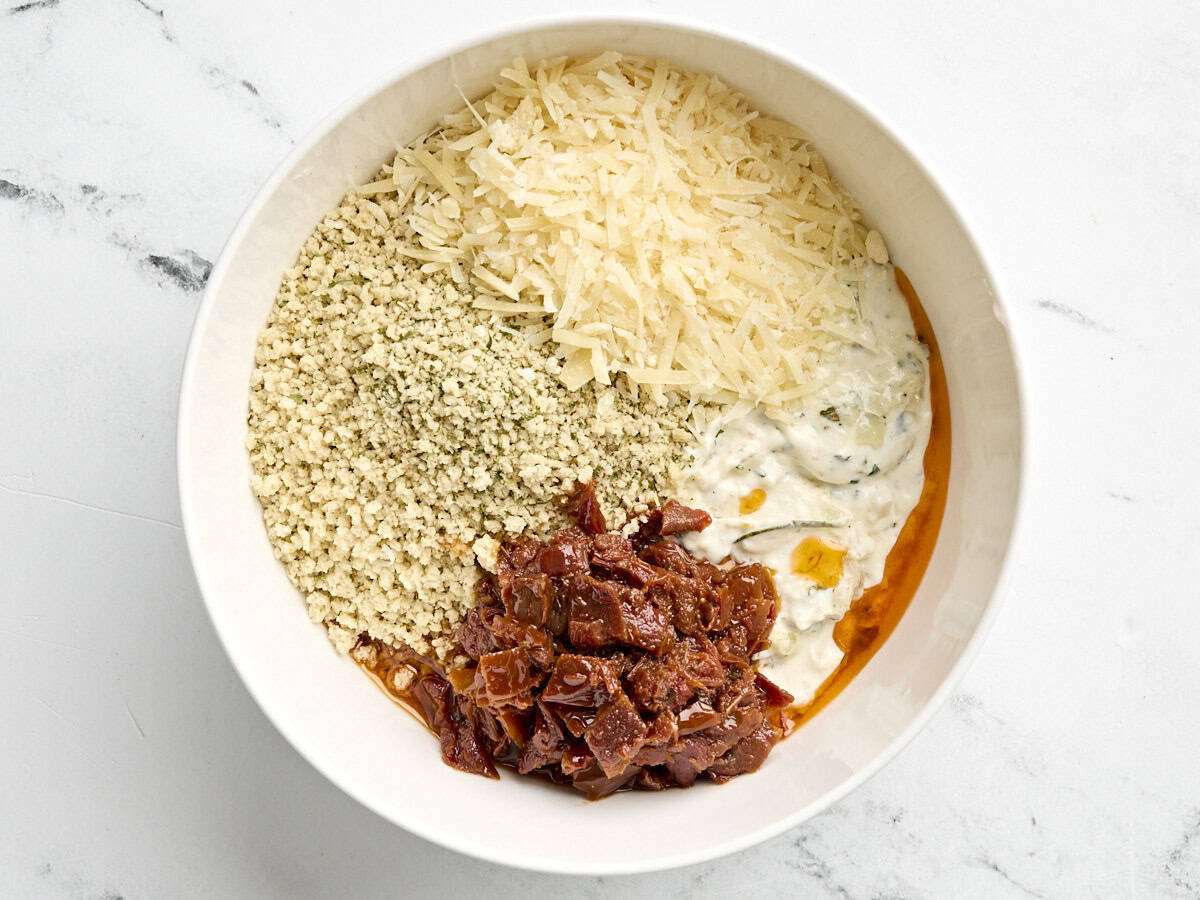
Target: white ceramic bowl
(342, 723)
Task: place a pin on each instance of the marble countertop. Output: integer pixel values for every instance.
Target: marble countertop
(134, 764)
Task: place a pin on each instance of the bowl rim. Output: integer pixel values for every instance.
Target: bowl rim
(413, 823)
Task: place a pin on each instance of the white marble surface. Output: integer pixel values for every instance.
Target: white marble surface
(134, 764)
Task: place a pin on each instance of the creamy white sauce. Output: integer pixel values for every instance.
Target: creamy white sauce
(845, 465)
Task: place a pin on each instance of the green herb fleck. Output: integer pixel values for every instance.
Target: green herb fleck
(831, 413)
(799, 523)
(356, 279)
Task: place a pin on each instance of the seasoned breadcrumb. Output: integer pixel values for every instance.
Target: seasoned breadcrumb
(394, 430)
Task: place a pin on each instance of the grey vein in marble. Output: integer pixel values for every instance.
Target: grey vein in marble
(185, 268)
(161, 16)
(71, 882)
(47, 202)
(812, 865)
(1183, 859)
(1070, 313)
(218, 76)
(993, 866)
(41, 495)
(35, 4)
(224, 80)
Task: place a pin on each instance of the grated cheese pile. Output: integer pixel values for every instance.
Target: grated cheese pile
(648, 221)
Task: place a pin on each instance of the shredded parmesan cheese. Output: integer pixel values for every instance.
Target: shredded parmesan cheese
(650, 220)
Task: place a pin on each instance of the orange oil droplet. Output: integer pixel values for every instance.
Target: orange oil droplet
(815, 559)
(752, 502)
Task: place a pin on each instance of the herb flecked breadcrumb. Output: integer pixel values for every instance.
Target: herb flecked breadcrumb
(392, 426)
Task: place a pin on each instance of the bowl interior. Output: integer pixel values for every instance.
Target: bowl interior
(350, 731)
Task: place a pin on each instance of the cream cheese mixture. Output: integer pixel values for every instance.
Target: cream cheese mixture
(821, 496)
